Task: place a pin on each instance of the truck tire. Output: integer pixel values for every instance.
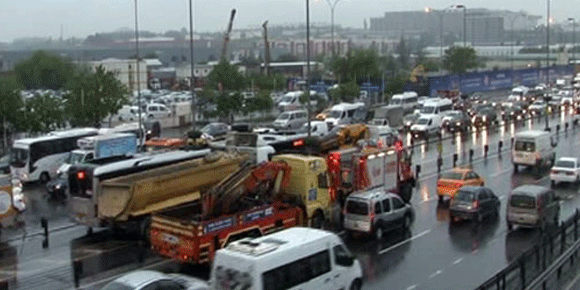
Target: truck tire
(356, 285)
(44, 178)
(145, 229)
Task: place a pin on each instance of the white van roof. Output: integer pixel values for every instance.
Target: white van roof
(531, 134)
(347, 106)
(275, 246)
(437, 102)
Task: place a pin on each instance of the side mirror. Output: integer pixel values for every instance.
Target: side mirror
(344, 260)
(557, 198)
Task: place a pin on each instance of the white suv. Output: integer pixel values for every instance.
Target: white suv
(157, 111)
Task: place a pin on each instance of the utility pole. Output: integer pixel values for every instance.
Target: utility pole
(138, 73)
(192, 64)
(308, 63)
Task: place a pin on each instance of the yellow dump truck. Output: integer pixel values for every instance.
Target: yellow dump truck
(118, 194)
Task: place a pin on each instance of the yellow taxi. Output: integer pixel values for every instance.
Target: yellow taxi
(449, 183)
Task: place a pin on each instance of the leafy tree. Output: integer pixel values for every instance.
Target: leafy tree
(395, 85)
(229, 104)
(44, 70)
(44, 113)
(10, 104)
(460, 59)
(346, 92)
(261, 103)
(225, 77)
(270, 82)
(287, 57)
(94, 95)
(358, 64)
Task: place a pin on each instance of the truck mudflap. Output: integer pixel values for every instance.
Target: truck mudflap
(195, 242)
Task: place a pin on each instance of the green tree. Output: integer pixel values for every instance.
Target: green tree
(358, 64)
(271, 82)
(225, 77)
(44, 70)
(346, 92)
(11, 105)
(460, 59)
(261, 103)
(44, 113)
(229, 104)
(94, 95)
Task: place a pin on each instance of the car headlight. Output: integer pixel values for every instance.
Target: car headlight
(58, 186)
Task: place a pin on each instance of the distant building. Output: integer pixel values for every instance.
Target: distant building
(201, 71)
(293, 69)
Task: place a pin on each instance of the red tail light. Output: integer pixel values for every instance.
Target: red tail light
(81, 175)
(439, 183)
(458, 184)
(372, 217)
(554, 171)
(299, 142)
(475, 204)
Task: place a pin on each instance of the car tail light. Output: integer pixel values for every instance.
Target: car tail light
(554, 171)
(458, 184)
(372, 217)
(439, 183)
(475, 204)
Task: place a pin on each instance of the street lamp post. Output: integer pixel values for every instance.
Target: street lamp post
(192, 79)
(332, 6)
(547, 96)
(573, 39)
(138, 72)
(307, 93)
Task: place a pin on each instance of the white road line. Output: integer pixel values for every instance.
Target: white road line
(573, 283)
(457, 261)
(404, 242)
(438, 272)
(474, 251)
(500, 172)
(412, 287)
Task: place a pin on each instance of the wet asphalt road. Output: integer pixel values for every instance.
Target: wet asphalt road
(432, 255)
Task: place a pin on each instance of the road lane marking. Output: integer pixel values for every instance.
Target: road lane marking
(412, 287)
(457, 261)
(438, 272)
(501, 172)
(573, 283)
(404, 242)
(474, 251)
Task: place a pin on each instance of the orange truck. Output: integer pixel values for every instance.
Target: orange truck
(291, 190)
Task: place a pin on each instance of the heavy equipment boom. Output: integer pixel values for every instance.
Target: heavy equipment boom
(227, 35)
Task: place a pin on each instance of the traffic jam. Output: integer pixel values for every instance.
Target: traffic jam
(288, 206)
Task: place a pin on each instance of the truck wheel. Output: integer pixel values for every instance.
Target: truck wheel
(145, 229)
(356, 285)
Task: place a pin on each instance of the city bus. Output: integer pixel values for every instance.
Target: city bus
(39, 158)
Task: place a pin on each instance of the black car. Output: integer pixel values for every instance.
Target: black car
(5, 164)
(512, 112)
(473, 203)
(484, 117)
(216, 130)
(456, 121)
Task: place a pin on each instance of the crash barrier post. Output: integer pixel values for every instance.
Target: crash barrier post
(455, 157)
(44, 225)
(485, 149)
(499, 146)
(470, 155)
(417, 170)
(439, 163)
(77, 271)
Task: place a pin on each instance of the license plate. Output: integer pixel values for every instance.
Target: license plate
(170, 238)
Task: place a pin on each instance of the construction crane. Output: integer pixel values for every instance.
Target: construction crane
(266, 49)
(227, 35)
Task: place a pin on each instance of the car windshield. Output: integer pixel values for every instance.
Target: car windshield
(522, 201)
(117, 286)
(286, 99)
(75, 158)
(335, 114)
(410, 117)
(396, 101)
(454, 114)
(357, 207)
(525, 146)
(5, 158)
(464, 195)
(538, 103)
(427, 110)
(423, 121)
(18, 157)
(564, 164)
(284, 116)
(452, 175)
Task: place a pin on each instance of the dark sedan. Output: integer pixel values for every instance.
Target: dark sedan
(456, 121)
(484, 117)
(512, 112)
(216, 130)
(473, 203)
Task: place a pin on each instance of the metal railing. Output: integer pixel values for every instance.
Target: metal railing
(546, 265)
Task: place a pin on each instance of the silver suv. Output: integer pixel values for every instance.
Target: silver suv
(374, 211)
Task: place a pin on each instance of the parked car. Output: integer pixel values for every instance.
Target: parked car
(157, 111)
(456, 121)
(566, 169)
(449, 183)
(216, 130)
(473, 203)
(375, 212)
(146, 280)
(5, 164)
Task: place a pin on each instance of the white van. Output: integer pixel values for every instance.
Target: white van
(291, 120)
(290, 101)
(156, 111)
(295, 258)
(408, 100)
(436, 106)
(342, 113)
(533, 148)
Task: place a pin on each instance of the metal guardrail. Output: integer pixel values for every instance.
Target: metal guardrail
(541, 266)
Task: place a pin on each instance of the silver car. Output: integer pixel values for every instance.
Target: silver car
(374, 212)
(145, 280)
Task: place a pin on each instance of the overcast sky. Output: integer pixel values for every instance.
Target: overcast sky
(43, 18)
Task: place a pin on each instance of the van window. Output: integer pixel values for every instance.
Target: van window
(322, 180)
(397, 203)
(378, 208)
(527, 146)
(357, 207)
(351, 113)
(298, 272)
(227, 276)
(386, 205)
(153, 109)
(523, 201)
(339, 253)
(396, 101)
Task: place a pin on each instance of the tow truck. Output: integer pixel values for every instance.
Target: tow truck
(290, 190)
